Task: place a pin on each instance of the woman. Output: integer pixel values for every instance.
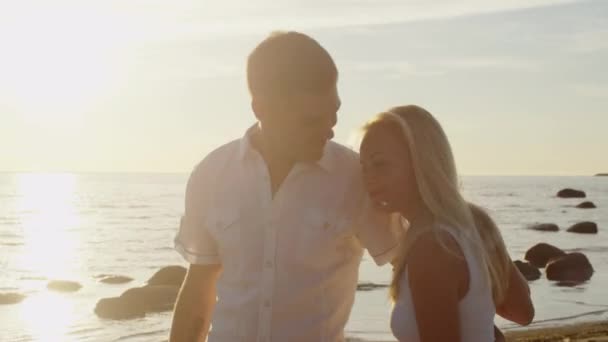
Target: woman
(453, 273)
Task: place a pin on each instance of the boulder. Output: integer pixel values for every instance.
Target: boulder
(138, 301)
(545, 227)
(11, 298)
(63, 286)
(116, 308)
(586, 205)
(169, 275)
(540, 254)
(370, 286)
(571, 193)
(572, 268)
(527, 270)
(584, 228)
(115, 279)
(602, 175)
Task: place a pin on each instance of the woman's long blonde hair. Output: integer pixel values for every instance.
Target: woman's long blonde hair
(438, 185)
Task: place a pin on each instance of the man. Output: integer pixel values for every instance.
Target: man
(276, 221)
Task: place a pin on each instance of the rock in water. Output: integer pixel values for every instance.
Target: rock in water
(11, 298)
(170, 275)
(572, 267)
(584, 228)
(115, 279)
(527, 270)
(571, 193)
(63, 286)
(370, 286)
(586, 205)
(138, 301)
(116, 308)
(540, 254)
(545, 227)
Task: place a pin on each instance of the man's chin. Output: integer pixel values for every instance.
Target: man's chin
(312, 156)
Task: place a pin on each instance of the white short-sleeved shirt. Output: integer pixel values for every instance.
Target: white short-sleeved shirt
(290, 263)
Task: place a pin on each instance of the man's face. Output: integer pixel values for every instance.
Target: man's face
(299, 125)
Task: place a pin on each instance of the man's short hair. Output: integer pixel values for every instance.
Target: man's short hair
(289, 62)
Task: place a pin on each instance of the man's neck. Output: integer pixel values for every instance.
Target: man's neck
(278, 166)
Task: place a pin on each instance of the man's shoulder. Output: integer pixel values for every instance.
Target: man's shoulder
(217, 158)
(342, 154)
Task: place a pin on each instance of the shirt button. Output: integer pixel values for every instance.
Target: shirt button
(268, 263)
(267, 303)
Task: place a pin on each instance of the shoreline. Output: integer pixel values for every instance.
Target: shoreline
(574, 332)
(583, 332)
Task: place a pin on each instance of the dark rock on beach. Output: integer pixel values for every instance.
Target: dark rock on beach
(527, 270)
(601, 175)
(169, 275)
(584, 228)
(571, 193)
(586, 205)
(115, 279)
(11, 298)
(63, 285)
(540, 254)
(573, 268)
(545, 227)
(370, 286)
(138, 301)
(117, 308)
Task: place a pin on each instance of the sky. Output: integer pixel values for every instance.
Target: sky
(520, 86)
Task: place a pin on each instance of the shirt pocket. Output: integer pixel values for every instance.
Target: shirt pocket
(323, 240)
(227, 226)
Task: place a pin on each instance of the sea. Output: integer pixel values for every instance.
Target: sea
(73, 226)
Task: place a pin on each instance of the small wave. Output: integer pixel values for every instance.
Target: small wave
(142, 334)
(579, 302)
(9, 220)
(33, 278)
(138, 206)
(11, 244)
(594, 249)
(566, 318)
(9, 235)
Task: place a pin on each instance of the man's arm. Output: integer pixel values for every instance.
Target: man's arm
(195, 304)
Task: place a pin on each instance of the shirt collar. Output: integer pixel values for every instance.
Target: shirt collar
(246, 150)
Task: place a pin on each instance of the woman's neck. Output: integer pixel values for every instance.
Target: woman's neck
(418, 218)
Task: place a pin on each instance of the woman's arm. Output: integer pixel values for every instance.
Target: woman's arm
(517, 305)
(436, 279)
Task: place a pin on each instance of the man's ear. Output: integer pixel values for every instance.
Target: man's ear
(258, 108)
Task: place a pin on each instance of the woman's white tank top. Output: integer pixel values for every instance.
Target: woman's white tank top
(476, 309)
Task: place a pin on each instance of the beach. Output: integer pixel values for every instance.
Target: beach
(582, 332)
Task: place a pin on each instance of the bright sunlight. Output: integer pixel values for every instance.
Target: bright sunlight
(58, 62)
(50, 219)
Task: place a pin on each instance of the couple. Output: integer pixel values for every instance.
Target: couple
(275, 223)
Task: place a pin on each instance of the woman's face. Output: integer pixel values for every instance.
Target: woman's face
(387, 169)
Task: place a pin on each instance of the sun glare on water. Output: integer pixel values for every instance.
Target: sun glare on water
(49, 224)
(50, 250)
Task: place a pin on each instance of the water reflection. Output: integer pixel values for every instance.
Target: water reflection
(49, 221)
(48, 316)
(50, 228)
